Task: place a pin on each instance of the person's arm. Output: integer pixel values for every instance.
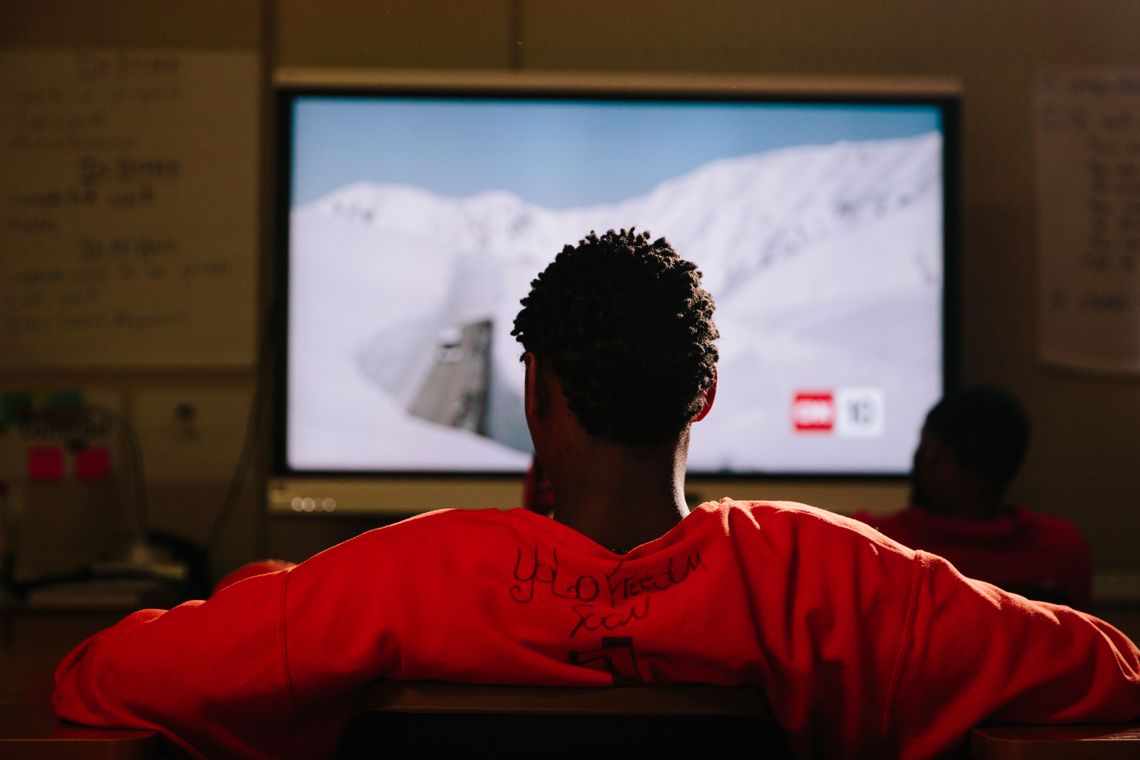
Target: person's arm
(208, 675)
(249, 570)
(977, 654)
(271, 665)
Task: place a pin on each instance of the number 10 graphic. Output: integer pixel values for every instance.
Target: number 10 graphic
(860, 412)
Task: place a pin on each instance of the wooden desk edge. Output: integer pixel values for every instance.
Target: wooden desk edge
(1060, 742)
(679, 699)
(80, 742)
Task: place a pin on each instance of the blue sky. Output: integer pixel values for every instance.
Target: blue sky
(557, 153)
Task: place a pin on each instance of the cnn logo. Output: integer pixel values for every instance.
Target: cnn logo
(813, 411)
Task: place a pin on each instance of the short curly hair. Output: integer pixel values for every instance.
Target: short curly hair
(629, 332)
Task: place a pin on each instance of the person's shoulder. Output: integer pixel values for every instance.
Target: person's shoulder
(816, 553)
(798, 520)
(1052, 522)
(1050, 528)
(436, 529)
(793, 511)
(444, 521)
(907, 516)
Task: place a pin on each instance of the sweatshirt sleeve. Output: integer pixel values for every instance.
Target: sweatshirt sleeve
(270, 666)
(978, 654)
(211, 676)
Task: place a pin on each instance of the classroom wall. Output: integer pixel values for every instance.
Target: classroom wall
(1083, 463)
(178, 504)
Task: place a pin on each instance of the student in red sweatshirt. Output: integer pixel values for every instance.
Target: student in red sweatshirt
(863, 647)
(972, 445)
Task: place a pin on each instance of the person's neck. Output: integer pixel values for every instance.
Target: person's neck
(623, 496)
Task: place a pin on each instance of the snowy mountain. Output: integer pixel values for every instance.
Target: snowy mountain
(825, 262)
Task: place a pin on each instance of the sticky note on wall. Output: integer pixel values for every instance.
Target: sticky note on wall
(92, 463)
(58, 433)
(45, 463)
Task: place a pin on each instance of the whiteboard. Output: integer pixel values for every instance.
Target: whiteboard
(1088, 211)
(129, 204)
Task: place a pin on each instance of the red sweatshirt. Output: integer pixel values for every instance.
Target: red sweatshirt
(863, 647)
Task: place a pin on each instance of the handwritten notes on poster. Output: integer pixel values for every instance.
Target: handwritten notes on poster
(1088, 193)
(128, 208)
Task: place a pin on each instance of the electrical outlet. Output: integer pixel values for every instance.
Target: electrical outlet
(192, 434)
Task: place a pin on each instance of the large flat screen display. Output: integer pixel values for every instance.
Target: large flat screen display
(416, 221)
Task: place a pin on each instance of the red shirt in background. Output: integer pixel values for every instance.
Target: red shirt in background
(1036, 555)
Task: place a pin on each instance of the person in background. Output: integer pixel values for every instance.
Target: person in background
(973, 443)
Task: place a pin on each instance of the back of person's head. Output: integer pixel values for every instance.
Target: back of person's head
(626, 327)
(986, 428)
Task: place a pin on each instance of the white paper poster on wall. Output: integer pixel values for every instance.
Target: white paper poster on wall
(128, 208)
(1088, 207)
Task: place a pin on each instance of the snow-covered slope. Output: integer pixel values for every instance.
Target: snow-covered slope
(825, 262)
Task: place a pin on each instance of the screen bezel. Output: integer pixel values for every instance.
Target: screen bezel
(299, 83)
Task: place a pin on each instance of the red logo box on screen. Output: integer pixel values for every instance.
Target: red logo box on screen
(813, 411)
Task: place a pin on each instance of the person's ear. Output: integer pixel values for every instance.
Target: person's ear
(710, 396)
(536, 395)
(934, 451)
